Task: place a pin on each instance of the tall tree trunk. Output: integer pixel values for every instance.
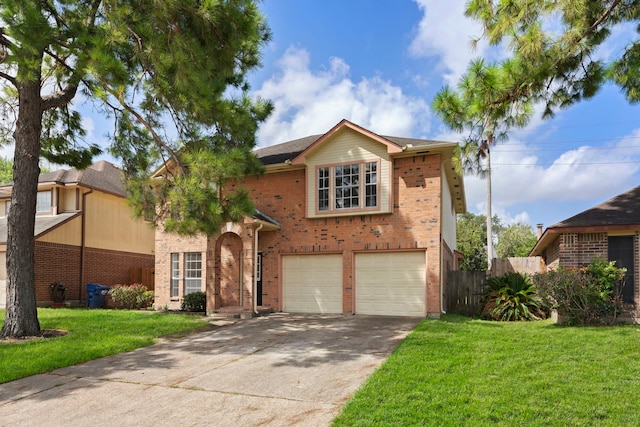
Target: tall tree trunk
(21, 318)
(489, 215)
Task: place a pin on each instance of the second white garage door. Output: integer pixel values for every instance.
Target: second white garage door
(391, 283)
(312, 283)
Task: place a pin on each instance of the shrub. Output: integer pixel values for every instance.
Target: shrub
(131, 297)
(195, 301)
(512, 296)
(587, 296)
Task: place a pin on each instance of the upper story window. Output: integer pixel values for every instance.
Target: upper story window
(43, 202)
(351, 186)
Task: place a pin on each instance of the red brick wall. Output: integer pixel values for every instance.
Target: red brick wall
(578, 249)
(414, 224)
(57, 263)
(61, 263)
(166, 244)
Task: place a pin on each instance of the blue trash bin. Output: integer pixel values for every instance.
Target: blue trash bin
(96, 295)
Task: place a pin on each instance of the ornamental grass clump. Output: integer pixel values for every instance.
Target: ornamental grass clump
(511, 297)
(586, 296)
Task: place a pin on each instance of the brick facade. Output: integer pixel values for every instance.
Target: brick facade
(61, 263)
(414, 224)
(576, 250)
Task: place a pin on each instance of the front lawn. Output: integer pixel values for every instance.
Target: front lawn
(462, 372)
(92, 334)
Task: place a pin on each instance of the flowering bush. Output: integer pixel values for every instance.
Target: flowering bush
(131, 297)
(588, 295)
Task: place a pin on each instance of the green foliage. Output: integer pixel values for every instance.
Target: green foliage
(471, 240)
(512, 296)
(559, 62)
(195, 301)
(515, 240)
(131, 297)
(173, 76)
(482, 109)
(590, 295)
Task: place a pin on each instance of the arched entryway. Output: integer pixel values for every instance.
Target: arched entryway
(229, 265)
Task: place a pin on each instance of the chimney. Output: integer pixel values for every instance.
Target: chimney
(539, 231)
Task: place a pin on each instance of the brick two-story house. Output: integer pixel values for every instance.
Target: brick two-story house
(347, 222)
(84, 232)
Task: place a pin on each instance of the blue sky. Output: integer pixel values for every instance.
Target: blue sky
(379, 63)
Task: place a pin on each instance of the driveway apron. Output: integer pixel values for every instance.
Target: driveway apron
(278, 370)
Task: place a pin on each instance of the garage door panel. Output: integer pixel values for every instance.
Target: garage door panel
(312, 283)
(392, 283)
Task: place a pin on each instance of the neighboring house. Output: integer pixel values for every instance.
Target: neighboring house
(84, 232)
(609, 231)
(346, 222)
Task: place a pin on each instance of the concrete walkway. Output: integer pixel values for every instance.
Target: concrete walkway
(278, 370)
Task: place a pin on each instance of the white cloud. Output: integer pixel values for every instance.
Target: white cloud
(519, 175)
(445, 32)
(310, 102)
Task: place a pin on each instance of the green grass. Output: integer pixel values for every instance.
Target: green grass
(462, 372)
(92, 334)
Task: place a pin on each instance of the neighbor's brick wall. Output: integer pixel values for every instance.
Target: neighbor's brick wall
(56, 263)
(61, 263)
(578, 249)
(551, 254)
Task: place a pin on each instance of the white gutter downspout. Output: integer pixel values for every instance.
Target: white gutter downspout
(255, 269)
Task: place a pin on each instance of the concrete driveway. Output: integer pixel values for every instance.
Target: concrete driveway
(278, 370)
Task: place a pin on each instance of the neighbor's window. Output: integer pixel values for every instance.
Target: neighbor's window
(353, 186)
(43, 202)
(192, 272)
(175, 274)
(7, 207)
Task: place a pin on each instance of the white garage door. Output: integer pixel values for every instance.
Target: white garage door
(392, 284)
(312, 283)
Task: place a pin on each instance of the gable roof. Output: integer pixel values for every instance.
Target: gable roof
(102, 175)
(292, 150)
(623, 209)
(618, 213)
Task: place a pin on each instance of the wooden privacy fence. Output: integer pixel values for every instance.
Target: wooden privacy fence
(144, 276)
(530, 265)
(464, 290)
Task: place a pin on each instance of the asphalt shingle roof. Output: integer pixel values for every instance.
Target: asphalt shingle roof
(101, 175)
(623, 209)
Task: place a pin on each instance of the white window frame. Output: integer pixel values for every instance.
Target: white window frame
(335, 189)
(175, 274)
(192, 272)
(43, 201)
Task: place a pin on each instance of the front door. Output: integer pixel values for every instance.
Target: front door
(259, 279)
(621, 251)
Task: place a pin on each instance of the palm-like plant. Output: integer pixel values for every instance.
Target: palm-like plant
(512, 296)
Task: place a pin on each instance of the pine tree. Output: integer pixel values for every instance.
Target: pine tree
(173, 77)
